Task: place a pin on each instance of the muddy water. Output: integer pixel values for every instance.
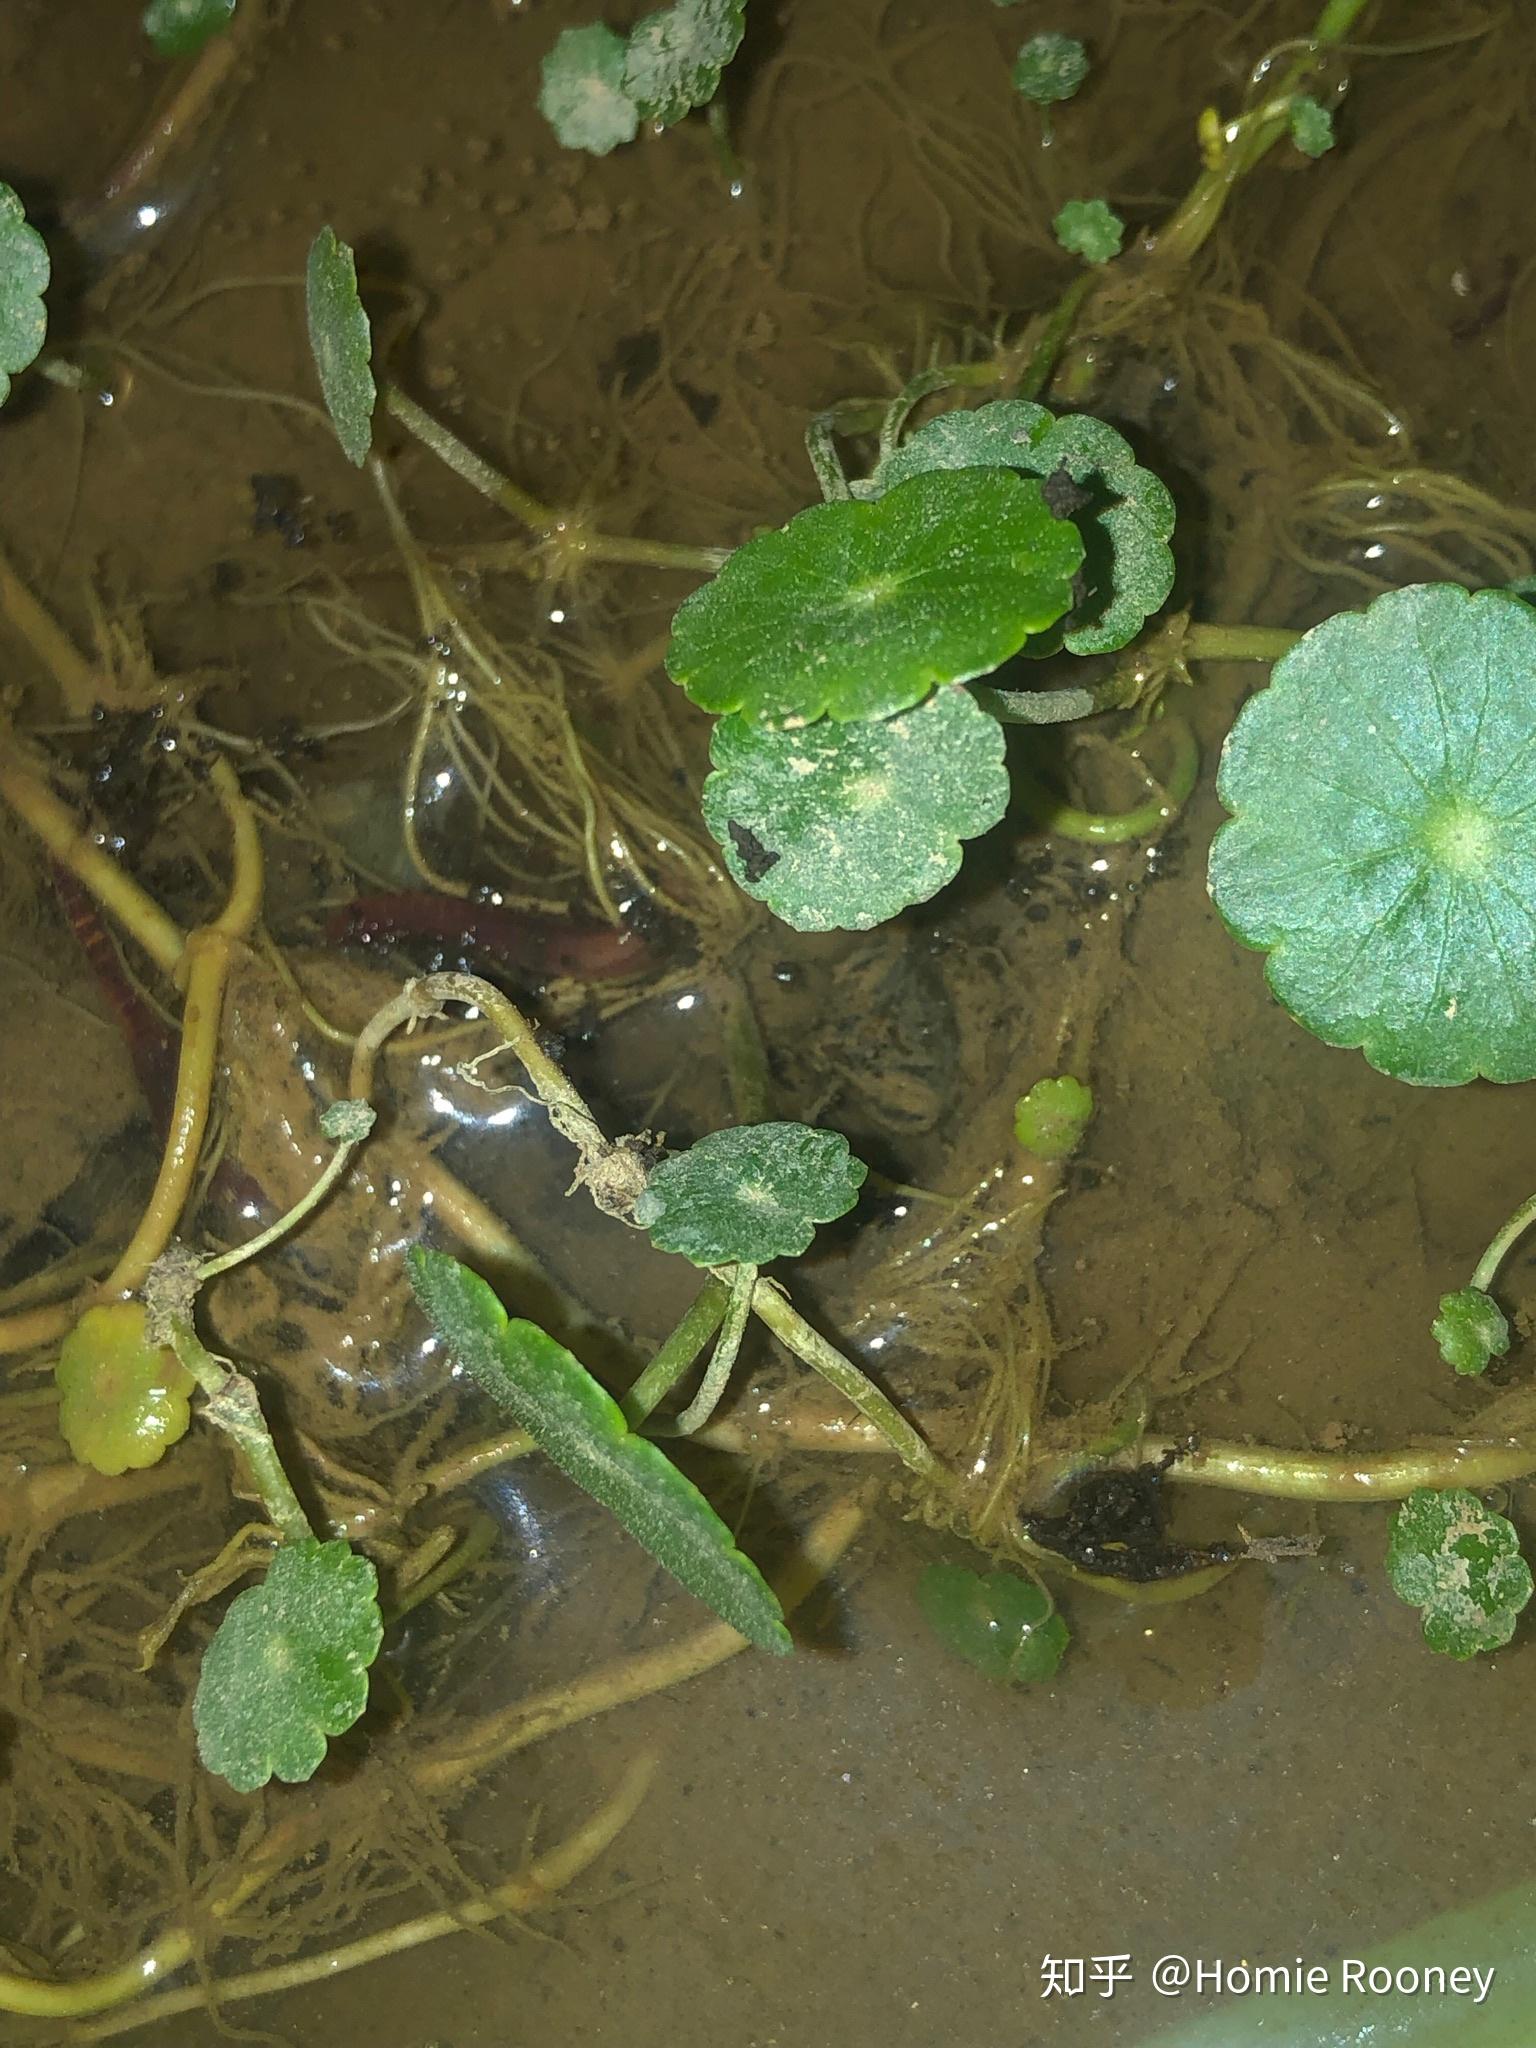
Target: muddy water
(869, 1843)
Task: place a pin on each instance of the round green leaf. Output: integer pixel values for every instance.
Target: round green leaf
(122, 1400)
(1461, 1563)
(1311, 125)
(178, 27)
(1050, 67)
(1383, 847)
(1089, 228)
(1470, 1329)
(750, 1194)
(838, 827)
(24, 273)
(675, 56)
(1051, 1119)
(1125, 519)
(582, 96)
(289, 1666)
(341, 343)
(1002, 1624)
(856, 609)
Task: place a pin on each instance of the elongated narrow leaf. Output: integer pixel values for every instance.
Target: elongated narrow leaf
(550, 1393)
(341, 343)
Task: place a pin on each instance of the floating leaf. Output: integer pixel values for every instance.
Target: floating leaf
(1002, 1624)
(1125, 518)
(857, 609)
(1461, 1563)
(1311, 125)
(578, 1425)
(178, 27)
(750, 1194)
(348, 1122)
(341, 343)
(1050, 67)
(1051, 1119)
(675, 56)
(24, 273)
(1383, 848)
(838, 827)
(582, 96)
(1089, 228)
(122, 1400)
(289, 1666)
(1470, 1329)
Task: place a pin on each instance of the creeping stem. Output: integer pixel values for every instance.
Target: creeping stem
(615, 1177)
(1053, 814)
(1489, 1264)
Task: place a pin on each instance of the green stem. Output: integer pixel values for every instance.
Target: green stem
(821, 447)
(230, 1404)
(796, 1335)
(541, 520)
(1488, 1265)
(1055, 334)
(1340, 1476)
(700, 1322)
(721, 1365)
(336, 1166)
(1250, 138)
(1062, 820)
(464, 462)
(1237, 643)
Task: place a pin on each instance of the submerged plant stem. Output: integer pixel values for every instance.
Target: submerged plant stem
(723, 1361)
(1237, 643)
(545, 1877)
(1489, 1264)
(230, 1404)
(565, 534)
(699, 1323)
(1062, 820)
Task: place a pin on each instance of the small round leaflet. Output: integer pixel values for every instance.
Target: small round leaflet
(1382, 849)
(838, 827)
(856, 609)
(750, 1194)
(1461, 1563)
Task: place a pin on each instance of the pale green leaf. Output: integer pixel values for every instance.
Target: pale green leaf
(1311, 125)
(1002, 1624)
(122, 1400)
(750, 1194)
(550, 1393)
(341, 343)
(1471, 1329)
(1051, 1119)
(179, 27)
(675, 56)
(857, 609)
(1461, 1563)
(582, 96)
(289, 1666)
(1125, 515)
(1050, 67)
(24, 273)
(1089, 228)
(1383, 844)
(838, 827)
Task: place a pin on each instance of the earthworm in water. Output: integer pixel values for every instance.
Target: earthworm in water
(523, 944)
